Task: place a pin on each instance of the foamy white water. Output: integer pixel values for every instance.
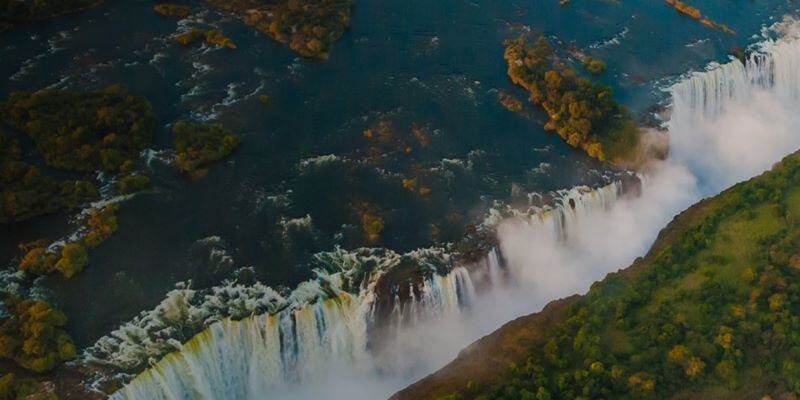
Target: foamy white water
(321, 325)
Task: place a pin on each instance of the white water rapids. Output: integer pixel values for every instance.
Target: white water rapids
(728, 123)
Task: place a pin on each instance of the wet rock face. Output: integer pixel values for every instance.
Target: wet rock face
(630, 186)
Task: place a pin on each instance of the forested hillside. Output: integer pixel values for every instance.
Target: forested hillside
(711, 312)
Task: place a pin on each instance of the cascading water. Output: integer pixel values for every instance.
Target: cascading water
(763, 90)
(773, 66)
(244, 359)
(572, 205)
(241, 359)
(728, 123)
(569, 205)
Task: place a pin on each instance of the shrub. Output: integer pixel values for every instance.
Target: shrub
(133, 183)
(32, 334)
(172, 10)
(198, 145)
(594, 66)
(73, 259)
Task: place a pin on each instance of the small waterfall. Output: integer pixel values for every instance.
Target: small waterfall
(775, 65)
(570, 207)
(447, 294)
(493, 266)
(321, 322)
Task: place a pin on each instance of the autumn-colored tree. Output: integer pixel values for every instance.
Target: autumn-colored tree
(32, 334)
(198, 145)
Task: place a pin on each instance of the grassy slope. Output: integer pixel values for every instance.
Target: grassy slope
(739, 255)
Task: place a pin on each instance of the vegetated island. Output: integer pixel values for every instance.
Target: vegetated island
(582, 112)
(213, 37)
(13, 12)
(308, 27)
(170, 10)
(79, 134)
(695, 14)
(74, 132)
(710, 312)
(27, 193)
(200, 145)
(103, 130)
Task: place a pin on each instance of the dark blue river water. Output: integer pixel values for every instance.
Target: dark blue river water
(430, 66)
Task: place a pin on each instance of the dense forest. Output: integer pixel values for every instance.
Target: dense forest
(25, 192)
(711, 312)
(102, 130)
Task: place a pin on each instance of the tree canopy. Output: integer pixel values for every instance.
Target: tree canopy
(582, 112)
(711, 312)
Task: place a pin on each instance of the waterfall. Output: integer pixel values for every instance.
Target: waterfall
(323, 322)
(447, 294)
(493, 267)
(773, 66)
(570, 207)
(241, 359)
(724, 107)
(244, 359)
(318, 324)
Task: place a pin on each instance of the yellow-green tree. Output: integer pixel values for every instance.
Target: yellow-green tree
(32, 335)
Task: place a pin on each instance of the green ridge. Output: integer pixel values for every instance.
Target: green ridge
(711, 312)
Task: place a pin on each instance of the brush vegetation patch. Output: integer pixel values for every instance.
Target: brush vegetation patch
(308, 27)
(102, 130)
(581, 112)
